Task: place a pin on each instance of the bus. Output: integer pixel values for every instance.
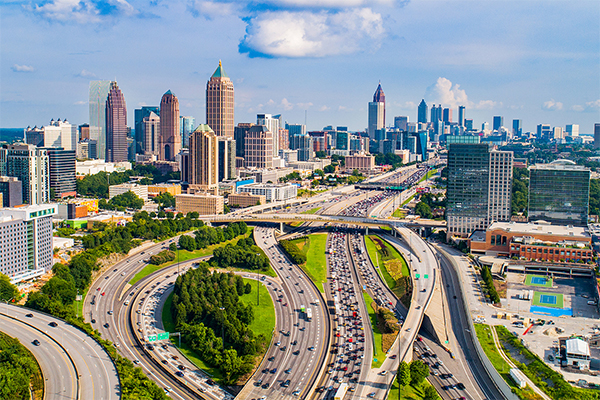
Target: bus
(308, 314)
(302, 309)
(341, 392)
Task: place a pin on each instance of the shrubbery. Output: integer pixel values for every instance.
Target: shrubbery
(162, 257)
(244, 255)
(486, 275)
(293, 252)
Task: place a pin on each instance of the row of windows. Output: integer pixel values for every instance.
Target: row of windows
(572, 253)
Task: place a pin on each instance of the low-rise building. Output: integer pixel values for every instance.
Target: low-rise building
(246, 199)
(203, 204)
(271, 191)
(140, 191)
(578, 354)
(91, 167)
(113, 218)
(361, 162)
(534, 241)
(11, 190)
(172, 188)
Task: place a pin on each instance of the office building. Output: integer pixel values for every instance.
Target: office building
(258, 148)
(271, 191)
(184, 164)
(204, 159)
(97, 114)
(401, 123)
(303, 145)
(360, 162)
(62, 170)
(422, 112)
(468, 125)
(479, 187)
(26, 241)
(447, 115)
(34, 136)
(84, 131)
(498, 122)
(246, 199)
(140, 191)
(170, 137)
(87, 148)
(29, 164)
(376, 112)
(227, 169)
(219, 103)
(559, 193)
(203, 204)
(60, 134)
(11, 190)
(572, 130)
(150, 134)
(284, 139)
(544, 132)
(116, 125)
(186, 127)
(139, 115)
(296, 129)
(557, 133)
(597, 136)
(272, 125)
(461, 116)
(159, 188)
(239, 135)
(517, 127)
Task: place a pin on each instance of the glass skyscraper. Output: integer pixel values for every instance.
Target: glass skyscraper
(97, 107)
(116, 125)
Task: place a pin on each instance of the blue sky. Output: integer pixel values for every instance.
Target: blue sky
(534, 60)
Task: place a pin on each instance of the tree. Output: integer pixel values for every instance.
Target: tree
(329, 169)
(248, 288)
(320, 154)
(418, 372)
(423, 210)
(8, 291)
(173, 247)
(430, 393)
(404, 374)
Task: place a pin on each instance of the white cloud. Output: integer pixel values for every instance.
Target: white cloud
(326, 3)
(313, 34)
(86, 74)
(552, 105)
(324, 108)
(589, 106)
(81, 102)
(451, 95)
(485, 105)
(341, 108)
(286, 104)
(304, 105)
(212, 9)
(22, 68)
(81, 11)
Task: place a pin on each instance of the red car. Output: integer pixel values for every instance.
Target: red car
(102, 293)
(284, 304)
(98, 289)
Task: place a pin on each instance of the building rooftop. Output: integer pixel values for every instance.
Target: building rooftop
(578, 346)
(219, 72)
(561, 164)
(531, 228)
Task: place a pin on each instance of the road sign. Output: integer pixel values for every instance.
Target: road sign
(163, 336)
(446, 342)
(425, 276)
(419, 275)
(152, 338)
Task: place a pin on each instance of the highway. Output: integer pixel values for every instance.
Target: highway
(74, 365)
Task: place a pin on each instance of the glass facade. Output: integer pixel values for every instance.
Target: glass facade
(468, 179)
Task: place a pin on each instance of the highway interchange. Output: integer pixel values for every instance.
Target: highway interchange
(308, 357)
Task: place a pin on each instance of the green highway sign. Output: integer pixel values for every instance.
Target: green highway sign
(163, 336)
(152, 338)
(446, 342)
(419, 275)
(425, 276)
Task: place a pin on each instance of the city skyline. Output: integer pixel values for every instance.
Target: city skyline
(516, 67)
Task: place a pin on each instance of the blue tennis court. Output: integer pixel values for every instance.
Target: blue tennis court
(538, 280)
(548, 299)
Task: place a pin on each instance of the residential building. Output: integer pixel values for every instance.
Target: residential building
(288, 155)
(303, 144)
(11, 190)
(219, 103)
(284, 139)
(159, 188)
(186, 127)
(376, 112)
(296, 129)
(151, 134)
(97, 114)
(30, 165)
(272, 124)
(116, 125)
(204, 158)
(34, 136)
(479, 187)
(361, 162)
(26, 242)
(140, 134)
(239, 134)
(498, 123)
(258, 149)
(572, 130)
(461, 116)
(559, 193)
(87, 148)
(203, 204)
(140, 191)
(271, 191)
(62, 170)
(597, 136)
(60, 134)
(170, 137)
(422, 112)
(227, 169)
(246, 199)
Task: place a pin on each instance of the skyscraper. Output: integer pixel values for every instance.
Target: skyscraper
(186, 127)
(461, 116)
(239, 134)
(401, 123)
(422, 112)
(170, 137)
(258, 147)
(272, 124)
(116, 125)
(498, 122)
(597, 136)
(447, 115)
(139, 116)
(226, 158)
(479, 187)
(204, 159)
(97, 107)
(151, 134)
(572, 130)
(30, 165)
(61, 163)
(517, 127)
(559, 193)
(376, 112)
(219, 103)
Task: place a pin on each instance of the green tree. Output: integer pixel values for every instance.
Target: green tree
(404, 374)
(430, 393)
(423, 210)
(320, 154)
(173, 247)
(329, 169)
(8, 291)
(418, 372)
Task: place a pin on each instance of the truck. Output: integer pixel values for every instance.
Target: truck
(341, 392)
(302, 309)
(308, 314)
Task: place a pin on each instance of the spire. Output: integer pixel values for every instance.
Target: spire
(168, 92)
(379, 96)
(219, 72)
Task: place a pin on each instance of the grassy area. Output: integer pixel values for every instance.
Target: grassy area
(392, 266)
(313, 246)
(185, 255)
(311, 211)
(399, 213)
(378, 353)
(408, 392)
(79, 304)
(407, 200)
(427, 175)
(264, 313)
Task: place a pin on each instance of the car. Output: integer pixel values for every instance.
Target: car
(287, 371)
(383, 373)
(296, 352)
(179, 374)
(164, 346)
(286, 383)
(460, 386)
(320, 389)
(258, 382)
(175, 357)
(93, 321)
(36, 342)
(266, 385)
(278, 344)
(371, 395)
(393, 356)
(53, 324)
(136, 362)
(106, 277)
(271, 358)
(150, 347)
(210, 382)
(311, 348)
(168, 389)
(274, 370)
(110, 312)
(164, 361)
(296, 392)
(103, 293)
(29, 315)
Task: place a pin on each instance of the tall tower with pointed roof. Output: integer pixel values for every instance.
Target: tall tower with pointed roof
(170, 137)
(219, 103)
(376, 112)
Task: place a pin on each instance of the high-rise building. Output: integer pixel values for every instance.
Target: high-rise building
(469, 124)
(61, 164)
(139, 115)
(226, 158)
(60, 134)
(239, 134)
(219, 103)
(498, 122)
(84, 131)
(597, 136)
(204, 158)
(272, 125)
(12, 191)
(151, 127)
(447, 115)
(30, 165)
(559, 193)
(303, 144)
(544, 132)
(479, 187)
(376, 112)
(284, 139)
(517, 127)
(401, 123)
(116, 125)
(186, 127)
(258, 147)
(97, 107)
(461, 116)
(572, 130)
(296, 129)
(422, 112)
(26, 241)
(170, 137)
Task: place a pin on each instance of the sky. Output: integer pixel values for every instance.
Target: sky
(538, 61)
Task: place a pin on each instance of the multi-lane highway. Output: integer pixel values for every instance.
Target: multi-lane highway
(74, 365)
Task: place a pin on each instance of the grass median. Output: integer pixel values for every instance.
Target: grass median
(392, 267)
(313, 246)
(378, 354)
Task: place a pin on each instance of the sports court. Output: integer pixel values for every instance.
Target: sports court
(548, 299)
(538, 280)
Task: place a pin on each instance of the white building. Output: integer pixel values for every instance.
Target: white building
(272, 192)
(26, 242)
(91, 167)
(140, 191)
(60, 134)
(578, 354)
(273, 124)
(572, 130)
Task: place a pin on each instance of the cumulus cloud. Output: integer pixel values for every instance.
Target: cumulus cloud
(485, 105)
(326, 3)
(286, 104)
(552, 105)
(304, 105)
(212, 9)
(85, 74)
(22, 68)
(324, 108)
(451, 95)
(588, 107)
(312, 34)
(81, 11)
(81, 102)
